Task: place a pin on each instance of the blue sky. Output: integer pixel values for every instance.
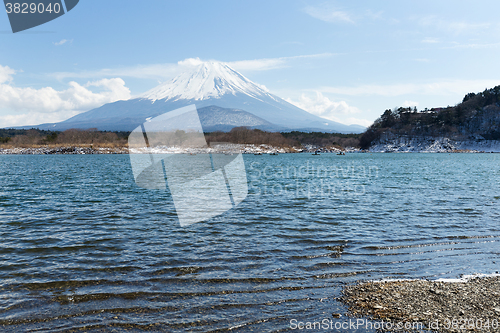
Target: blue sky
(344, 60)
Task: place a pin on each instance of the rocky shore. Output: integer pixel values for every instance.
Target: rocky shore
(62, 151)
(219, 149)
(420, 144)
(467, 305)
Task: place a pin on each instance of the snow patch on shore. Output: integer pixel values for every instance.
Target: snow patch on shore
(463, 279)
(467, 278)
(406, 144)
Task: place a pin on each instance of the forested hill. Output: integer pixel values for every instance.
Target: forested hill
(476, 117)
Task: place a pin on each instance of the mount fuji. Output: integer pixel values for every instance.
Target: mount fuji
(223, 97)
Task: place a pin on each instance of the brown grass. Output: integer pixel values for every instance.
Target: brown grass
(241, 135)
(72, 137)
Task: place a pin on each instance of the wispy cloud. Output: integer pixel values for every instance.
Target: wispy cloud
(169, 70)
(272, 63)
(291, 43)
(438, 88)
(472, 46)
(374, 15)
(429, 40)
(455, 27)
(155, 71)
(62, 42)
(456, 45)
(328, 13)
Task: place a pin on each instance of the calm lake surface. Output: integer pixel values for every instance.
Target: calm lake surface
(84, 249)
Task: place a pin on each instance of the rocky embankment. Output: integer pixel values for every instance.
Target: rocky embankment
(241, 148)
(466, 305)
(219, 149)
(421, 144)
(62, 151)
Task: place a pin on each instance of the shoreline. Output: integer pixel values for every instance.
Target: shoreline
(408, 144)
(244, 149)
(63, 150)
(459, 305)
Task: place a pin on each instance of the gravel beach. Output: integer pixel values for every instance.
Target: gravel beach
(467, 305)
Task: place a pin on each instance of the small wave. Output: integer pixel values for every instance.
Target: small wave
(395, 247)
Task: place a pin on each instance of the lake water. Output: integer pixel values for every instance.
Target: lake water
(84, 249)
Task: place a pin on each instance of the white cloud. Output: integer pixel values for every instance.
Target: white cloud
(357, 121)
(328, 14)
(407, 104)
(190, 62)
(6, 74)
(75, 98)
(322, 106)
(47, 104)
(62, 42)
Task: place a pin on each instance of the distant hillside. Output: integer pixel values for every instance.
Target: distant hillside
(16, 138)
(477, 117)
(214, 118)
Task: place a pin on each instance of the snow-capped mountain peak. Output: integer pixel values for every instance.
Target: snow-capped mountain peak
(223, 97)
(205, 81)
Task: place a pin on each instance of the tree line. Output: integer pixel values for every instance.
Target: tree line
(72, 137)
(239, 135)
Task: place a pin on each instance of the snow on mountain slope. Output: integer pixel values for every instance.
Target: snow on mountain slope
(208, 80)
